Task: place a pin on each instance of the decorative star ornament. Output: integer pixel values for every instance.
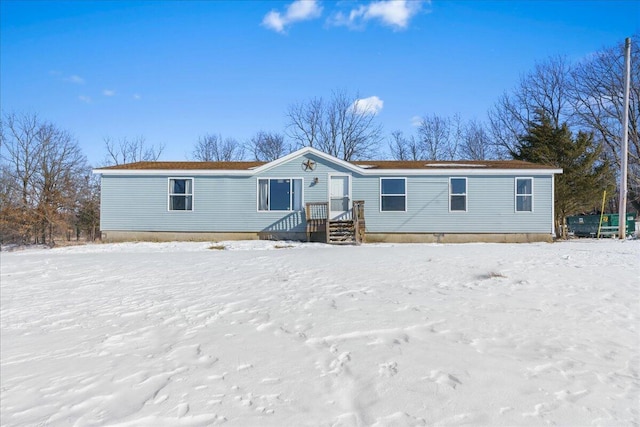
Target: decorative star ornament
(308, 165)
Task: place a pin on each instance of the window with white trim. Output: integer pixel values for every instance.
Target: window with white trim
(180, 194)
(524, 194)
(393, 194)
(279, 194)
(458, 194)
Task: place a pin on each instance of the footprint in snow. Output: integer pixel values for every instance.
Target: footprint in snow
(160, 398)
(244, 367)
(339, 364)
(399, 419)
(244, 401)
(207, 361)
(264, 410)
(540, 409)
(183, 408)
(443, 378)
(571, 396)
(388, 369)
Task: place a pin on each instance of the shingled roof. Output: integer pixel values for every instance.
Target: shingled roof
(454, 164)
(364, 164)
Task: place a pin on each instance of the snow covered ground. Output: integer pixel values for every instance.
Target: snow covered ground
(289, 334)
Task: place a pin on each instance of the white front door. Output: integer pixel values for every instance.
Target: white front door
(339, 197)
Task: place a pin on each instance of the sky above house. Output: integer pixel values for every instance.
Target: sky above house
(173, 71)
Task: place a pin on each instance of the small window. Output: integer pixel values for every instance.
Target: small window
(524, 194)
(458, 194)
(279, 194)
(393, 194)
(180, 194)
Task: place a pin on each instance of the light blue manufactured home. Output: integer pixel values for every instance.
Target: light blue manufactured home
(309, 194)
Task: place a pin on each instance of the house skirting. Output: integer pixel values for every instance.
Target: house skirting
(171, 236)
(164, 236)
(458, 237)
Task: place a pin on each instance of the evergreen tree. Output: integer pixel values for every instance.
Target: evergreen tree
(585, 176)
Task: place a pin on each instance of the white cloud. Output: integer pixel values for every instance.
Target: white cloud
(108, 92)
(137, 96)
(299, 10)
(352, 21)
(415, 121)
(371, 105)
(75, 79)
(274, 21)
(85, 99)
(393, 13)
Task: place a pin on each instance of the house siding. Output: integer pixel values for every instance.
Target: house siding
(221, 203)
(227, 203)
(490, 206)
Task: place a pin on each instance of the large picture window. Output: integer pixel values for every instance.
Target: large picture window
(393, 194)
(281, 194)
(180, 194)
(524, 194)
(458, 194)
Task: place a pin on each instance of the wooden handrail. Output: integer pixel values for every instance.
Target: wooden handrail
(358, 210)
(317, 210)
(358, 220)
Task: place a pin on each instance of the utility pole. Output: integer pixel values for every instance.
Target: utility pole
(622, 212)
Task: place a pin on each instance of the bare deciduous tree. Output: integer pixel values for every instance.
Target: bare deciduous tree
(87, 218)
(57, 183)
(213, 148)
(443, 138)
(597, 94)
(268, 146)
(456, 137)
(476, 142)
(22, 150)
(305, 122)
(434, 133)
(340, 127)
(133, 150)
(403, 148)
(40, 168)
(544, 90)
(14, 220)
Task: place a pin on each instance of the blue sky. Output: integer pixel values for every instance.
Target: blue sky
(172, 71)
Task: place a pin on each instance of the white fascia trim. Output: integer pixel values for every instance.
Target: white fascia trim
(459, 172)
(194, 172)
